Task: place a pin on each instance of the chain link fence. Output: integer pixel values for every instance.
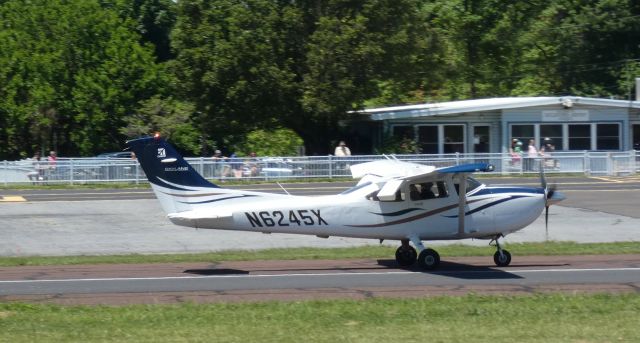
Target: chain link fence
(99, 170)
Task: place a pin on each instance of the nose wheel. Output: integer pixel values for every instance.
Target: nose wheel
(502, 258)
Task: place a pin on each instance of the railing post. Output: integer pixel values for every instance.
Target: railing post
(71, 172)
(610, 168)
(587, 163)
(330, 167)
(137, 171)
(6, 173)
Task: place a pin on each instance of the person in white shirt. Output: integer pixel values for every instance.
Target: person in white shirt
(342, 150)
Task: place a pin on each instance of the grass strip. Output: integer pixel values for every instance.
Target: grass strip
(372, 251)
(471, 318)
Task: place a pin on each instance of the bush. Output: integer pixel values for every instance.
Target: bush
(278, 142)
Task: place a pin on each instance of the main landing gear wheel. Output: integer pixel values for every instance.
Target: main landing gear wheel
(502, 258)
(429, 259)
(406, 255)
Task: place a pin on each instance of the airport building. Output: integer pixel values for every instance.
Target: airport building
(570, 123)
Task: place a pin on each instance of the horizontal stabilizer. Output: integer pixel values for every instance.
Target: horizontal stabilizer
(198, 218)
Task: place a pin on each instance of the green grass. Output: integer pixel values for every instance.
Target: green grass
(384, 252)
(472, 318)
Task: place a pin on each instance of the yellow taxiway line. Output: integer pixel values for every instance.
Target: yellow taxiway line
(12, 199)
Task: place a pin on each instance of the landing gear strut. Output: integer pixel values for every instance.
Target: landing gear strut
(502, 257)
(406, 255)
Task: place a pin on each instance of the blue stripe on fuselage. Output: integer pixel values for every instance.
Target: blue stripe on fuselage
(502, 190)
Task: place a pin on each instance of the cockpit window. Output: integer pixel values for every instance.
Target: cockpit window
(427, 190)
(355, 188)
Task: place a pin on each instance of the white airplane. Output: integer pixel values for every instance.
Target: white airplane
(393, 200)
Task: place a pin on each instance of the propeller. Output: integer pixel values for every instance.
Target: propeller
(549, 191)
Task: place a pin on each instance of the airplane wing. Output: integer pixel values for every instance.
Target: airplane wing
(397, 172)
(389, 169)
(467, 168)
(406, 170)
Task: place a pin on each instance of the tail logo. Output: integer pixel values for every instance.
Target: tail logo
(161, 153)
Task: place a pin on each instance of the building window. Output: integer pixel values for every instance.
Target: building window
(551, 134)
(403, 131)
(579, 137)
(608, 137)
(453, 139)
(428, 139)
(481, 139)
(523, 133)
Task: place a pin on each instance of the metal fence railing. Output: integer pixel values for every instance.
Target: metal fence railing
(101, 170)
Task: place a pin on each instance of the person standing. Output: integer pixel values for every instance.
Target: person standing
(342, 152)
(532, 154)
(53, 159)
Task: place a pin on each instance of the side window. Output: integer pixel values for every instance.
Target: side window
(427, 190)
(400, 196)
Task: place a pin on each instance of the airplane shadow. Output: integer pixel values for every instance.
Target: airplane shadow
(458, 270)
(213, 271)
(446, 268)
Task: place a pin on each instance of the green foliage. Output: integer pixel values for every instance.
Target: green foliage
(277, 142)
(70, 72)
(398, 145)
(236, 62)
(173, 119)
(153, 19)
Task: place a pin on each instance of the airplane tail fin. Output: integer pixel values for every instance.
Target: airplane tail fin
(174, 181)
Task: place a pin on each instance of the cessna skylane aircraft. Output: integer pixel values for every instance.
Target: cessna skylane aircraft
(393, 200)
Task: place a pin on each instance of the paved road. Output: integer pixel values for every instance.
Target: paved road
(616, 195)
(115, 284)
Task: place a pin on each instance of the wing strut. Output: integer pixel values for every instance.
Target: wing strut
(462, 196)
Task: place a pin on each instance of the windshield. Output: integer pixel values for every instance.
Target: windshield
(355, 188)
(472, 184)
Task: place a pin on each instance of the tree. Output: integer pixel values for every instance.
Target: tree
(582, 47)
(70, 71)
(154, 20)
(276, 142)
(233, 62)
(172, 118)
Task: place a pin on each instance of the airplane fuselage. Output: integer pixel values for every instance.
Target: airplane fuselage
(488, 211)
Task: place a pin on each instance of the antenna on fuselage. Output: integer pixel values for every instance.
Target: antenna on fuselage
(278, 183)
(391, 157)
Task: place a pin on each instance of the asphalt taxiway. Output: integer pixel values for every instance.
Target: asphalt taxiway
(281, 280)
